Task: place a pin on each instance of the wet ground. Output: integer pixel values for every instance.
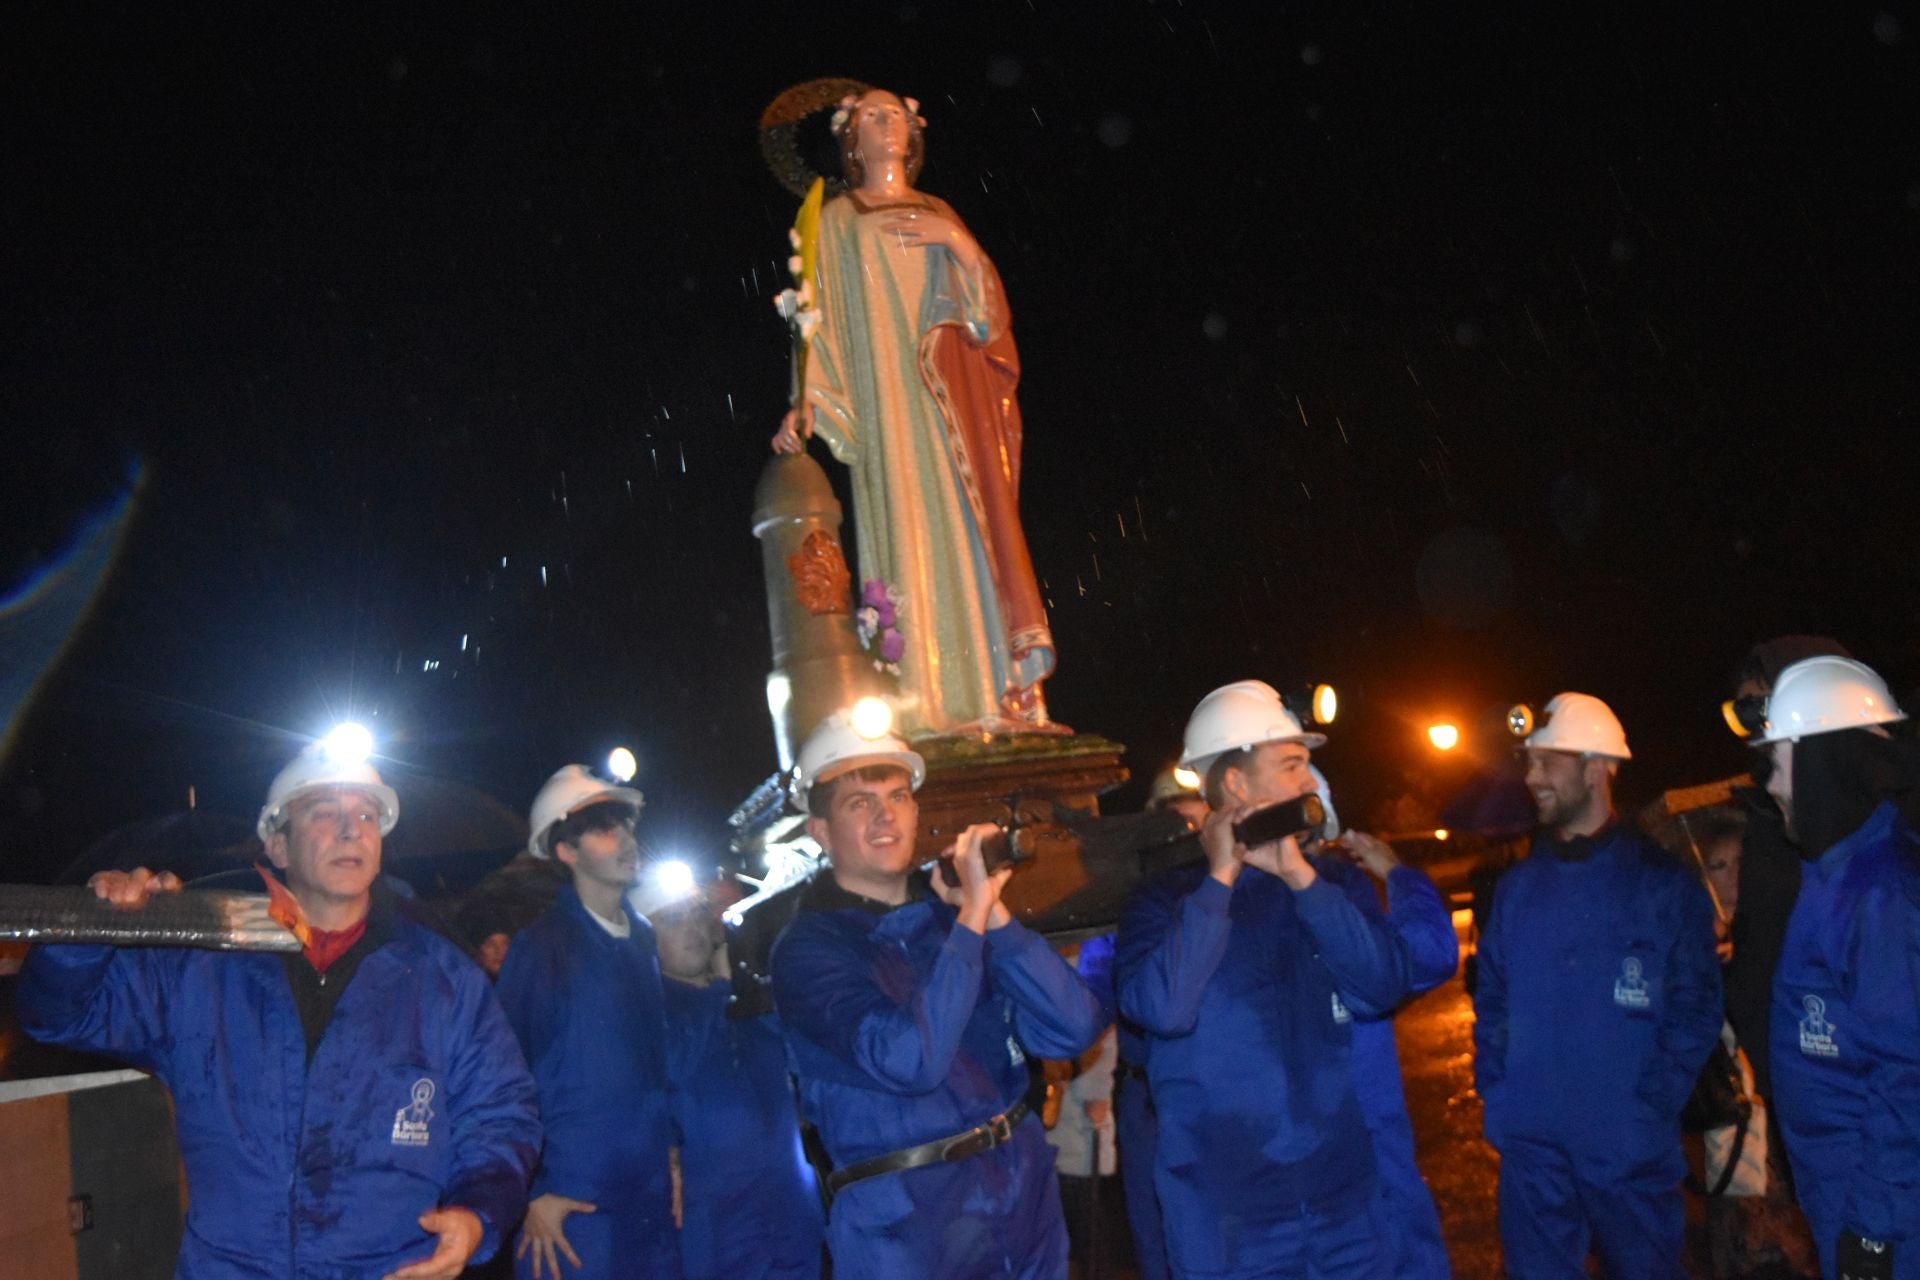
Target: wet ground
(1435, 1036)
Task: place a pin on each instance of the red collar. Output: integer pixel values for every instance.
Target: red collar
(325, 946)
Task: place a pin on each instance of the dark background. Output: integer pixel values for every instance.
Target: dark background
(1456, 354)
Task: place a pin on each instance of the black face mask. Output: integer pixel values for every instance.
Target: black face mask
(1839, 779)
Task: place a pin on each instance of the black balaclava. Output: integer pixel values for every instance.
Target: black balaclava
(1840, 778)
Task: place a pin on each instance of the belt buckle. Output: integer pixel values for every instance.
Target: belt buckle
(998, 1129)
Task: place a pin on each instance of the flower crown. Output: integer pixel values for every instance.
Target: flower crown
(843, 115)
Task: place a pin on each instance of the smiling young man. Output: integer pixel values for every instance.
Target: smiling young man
(910, 1010)
(1598, 1002)
(357, 1109)
(581, 986)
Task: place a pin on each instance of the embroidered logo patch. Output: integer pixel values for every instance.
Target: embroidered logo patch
(1816, 1033)
(411, 1123)
(1630, 988)
(1340, 1013)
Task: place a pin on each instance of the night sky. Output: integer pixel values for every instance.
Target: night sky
(1455, 354)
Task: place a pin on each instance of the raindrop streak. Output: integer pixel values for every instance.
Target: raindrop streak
(730, 417)
(1139, 518)
(543, 575)
(1303, 413)
(463, 643)
(683, 457)
(1538, 337)
(1343, 429)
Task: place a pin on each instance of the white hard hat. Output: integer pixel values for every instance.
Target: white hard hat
(1242, 714)
(1330, 826)
(1582, 724)
(836, 746)
(317, 768)
(1170, 785)
(1824, 695)
(566, 793)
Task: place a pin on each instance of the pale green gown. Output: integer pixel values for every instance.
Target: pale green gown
(879, 300)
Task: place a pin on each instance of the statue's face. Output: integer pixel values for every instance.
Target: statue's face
(880, 126)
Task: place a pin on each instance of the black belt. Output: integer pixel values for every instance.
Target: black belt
(949, 1150)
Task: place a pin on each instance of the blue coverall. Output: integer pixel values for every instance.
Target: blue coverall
(751, 1204)
(1403, 1211)
(588, 1009)
(1597, 1004)
(1247, 996)
(416, 1097)
(904, 1029)
(1846, 1041)
(1134, 1124)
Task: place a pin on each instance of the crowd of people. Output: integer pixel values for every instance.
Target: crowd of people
(373, 1106)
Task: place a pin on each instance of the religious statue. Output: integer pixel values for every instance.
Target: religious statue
(905, 365)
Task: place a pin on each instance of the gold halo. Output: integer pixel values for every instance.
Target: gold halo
(780, 126)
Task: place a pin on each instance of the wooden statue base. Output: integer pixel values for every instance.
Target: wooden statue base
(1019, 780)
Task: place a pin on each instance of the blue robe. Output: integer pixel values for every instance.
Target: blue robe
(1247, 996)
(1846, 1041)
(587, 1007)
(751, 1205)
(904, 1029)
(1597, 1004)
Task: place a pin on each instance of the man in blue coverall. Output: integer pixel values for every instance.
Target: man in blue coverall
(1598, 1002)
(1404, 1215)
(1246, 972)
(581, 987)
(750, 1201)
(1846, 1017)
(359, 1109)
(909, 1018)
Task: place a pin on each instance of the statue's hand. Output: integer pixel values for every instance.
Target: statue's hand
(923, 228)
(794, 430)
